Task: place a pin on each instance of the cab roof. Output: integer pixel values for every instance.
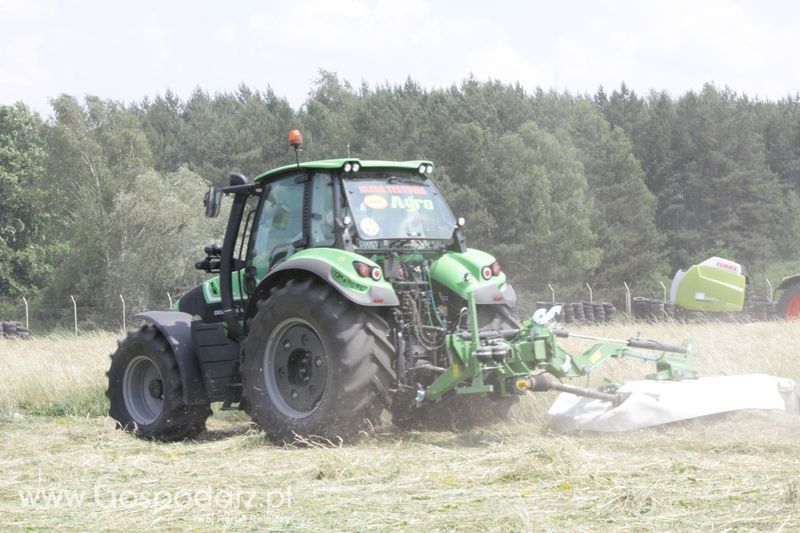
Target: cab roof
(339, 163)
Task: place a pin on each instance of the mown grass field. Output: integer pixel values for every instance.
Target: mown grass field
(64, 466)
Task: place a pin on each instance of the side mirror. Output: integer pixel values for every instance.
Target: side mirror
(213, 201)
(237, 179)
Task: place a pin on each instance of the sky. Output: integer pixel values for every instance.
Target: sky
(129, 50)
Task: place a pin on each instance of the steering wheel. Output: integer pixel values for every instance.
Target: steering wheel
(280, 252)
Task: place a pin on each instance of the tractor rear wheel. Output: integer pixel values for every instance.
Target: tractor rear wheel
(462, 412)
(145, 392)
(789, 303)
(315, 364)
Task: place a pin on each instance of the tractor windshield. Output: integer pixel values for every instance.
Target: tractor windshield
(397, 205)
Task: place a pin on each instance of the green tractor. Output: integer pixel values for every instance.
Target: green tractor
(343, 288)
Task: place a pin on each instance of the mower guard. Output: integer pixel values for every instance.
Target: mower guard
(653, 403)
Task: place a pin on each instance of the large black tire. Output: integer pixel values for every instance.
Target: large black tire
(569, 314)
(789, 303)
(145, 392)
(315, 364)
(588, 311)
(577, 311)
(10, 329)
(461, 412)
(599, 312)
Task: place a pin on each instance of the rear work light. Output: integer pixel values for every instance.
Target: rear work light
(366, 271)
(492, 270)
(351, 166)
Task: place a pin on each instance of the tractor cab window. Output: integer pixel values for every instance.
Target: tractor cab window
(322, 210)
(279, 225)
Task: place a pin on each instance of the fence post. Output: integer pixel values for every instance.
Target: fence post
(552, 294)
(169, 297)
(591, 293)
(74, 312)
(27, 322)
(664, 288)
(627, 298)
(771, 295)
(124, 328)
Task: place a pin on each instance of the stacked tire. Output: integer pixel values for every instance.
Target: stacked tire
(14, 330)
(652, 309)
(582, 312)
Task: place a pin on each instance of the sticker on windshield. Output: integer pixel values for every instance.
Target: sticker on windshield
(417, 190)
(376, 202)
(369, 227)
(411, 204)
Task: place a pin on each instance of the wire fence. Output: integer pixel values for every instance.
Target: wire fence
(119, 316)
(76, 318)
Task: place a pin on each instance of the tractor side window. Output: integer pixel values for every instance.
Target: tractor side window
(279, 226)
(322, 210)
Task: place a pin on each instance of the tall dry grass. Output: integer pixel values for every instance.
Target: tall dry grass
(58, 375)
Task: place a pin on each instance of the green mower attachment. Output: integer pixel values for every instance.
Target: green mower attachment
(509, 362)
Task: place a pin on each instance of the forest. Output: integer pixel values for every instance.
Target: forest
(102, 198)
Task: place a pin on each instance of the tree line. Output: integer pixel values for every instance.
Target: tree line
(103, 198)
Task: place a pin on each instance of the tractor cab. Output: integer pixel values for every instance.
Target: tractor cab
(364, 206)
(388, 212)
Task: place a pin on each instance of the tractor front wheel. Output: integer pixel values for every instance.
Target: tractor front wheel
(144, 389)
(315, 364)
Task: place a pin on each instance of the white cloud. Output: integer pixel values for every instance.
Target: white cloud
(678, 45)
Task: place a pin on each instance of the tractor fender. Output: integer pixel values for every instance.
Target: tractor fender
(176, 327)
(461, 273)
(788, 282)
(358, 290)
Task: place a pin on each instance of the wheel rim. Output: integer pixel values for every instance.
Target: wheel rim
(143, 390)
(295, 368)
(793, 308)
